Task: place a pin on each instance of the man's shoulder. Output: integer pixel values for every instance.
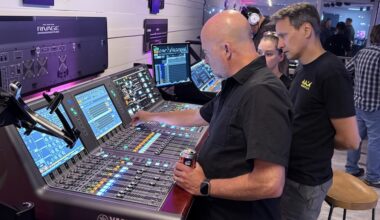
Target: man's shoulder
(327, 65)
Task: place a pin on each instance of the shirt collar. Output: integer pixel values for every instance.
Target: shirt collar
(246, 72)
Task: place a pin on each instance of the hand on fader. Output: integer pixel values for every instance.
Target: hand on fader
(140, 117)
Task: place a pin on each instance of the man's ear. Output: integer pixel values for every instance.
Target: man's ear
(227, 50)
(307, 29)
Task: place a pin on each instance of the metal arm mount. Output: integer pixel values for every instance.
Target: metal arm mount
(28, 119)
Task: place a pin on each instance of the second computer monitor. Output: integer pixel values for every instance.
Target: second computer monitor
(204, 79)
(171, 64)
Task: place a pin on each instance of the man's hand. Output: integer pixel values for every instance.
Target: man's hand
(140, 117)
(188, 178)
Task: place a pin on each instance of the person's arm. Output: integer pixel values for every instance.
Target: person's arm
(350, 67)
(265, 181)
(190, 117)
(346, 133)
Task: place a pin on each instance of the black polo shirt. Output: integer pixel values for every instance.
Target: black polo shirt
(320, 91)
(249, 119)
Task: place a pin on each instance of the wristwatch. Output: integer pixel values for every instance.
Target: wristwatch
(205, 187)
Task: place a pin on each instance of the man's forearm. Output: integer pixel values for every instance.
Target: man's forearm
(249, 187)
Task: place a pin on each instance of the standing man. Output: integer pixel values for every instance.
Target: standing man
(240, 172)
(350, 31)
(365, 67)
(324, 112)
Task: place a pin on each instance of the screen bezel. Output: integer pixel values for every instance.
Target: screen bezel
(188, 66)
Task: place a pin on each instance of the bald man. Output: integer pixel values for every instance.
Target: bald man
(241, 167)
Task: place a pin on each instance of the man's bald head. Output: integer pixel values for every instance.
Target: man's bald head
(229, 26)
(227, 43)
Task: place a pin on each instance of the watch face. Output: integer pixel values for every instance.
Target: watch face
(204, 187)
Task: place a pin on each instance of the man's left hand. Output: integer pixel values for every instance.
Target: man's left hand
(188, 178)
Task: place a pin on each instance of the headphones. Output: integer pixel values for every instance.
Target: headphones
(251, 13)
(253, 18)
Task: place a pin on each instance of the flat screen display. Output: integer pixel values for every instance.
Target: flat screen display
(204, 79)
(171, 64)
(49, 152)
(98, 110)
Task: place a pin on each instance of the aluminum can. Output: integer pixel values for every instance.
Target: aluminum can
(188, 157)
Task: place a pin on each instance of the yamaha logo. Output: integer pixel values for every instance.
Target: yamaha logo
(102, 217)
(105, 217)
(48, 29)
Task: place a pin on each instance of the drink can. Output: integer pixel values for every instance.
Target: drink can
(188, 157)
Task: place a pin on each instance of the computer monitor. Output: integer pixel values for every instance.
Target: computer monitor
(171, 64)
(98, 110)
(49, 152)
(204, 79)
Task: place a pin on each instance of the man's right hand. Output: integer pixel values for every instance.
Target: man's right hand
(141, 117)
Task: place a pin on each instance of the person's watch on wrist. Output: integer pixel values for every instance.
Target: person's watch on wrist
(205, 187)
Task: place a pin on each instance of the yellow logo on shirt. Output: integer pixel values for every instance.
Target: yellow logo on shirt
(306, 84)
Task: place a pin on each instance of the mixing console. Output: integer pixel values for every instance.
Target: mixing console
(147, 141)
(130, 178)
(113, 162)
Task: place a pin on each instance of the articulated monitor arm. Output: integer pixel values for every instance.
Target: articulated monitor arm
(13, 110)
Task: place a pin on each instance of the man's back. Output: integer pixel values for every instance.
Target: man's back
(366, 69)
(338, 44)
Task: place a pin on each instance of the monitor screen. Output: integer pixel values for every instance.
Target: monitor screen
(171, 64)
(204, 79)
(98, 110)
(49, 152)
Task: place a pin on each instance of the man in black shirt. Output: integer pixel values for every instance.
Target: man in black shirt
(338, 43)
(241, 166)
(324, 112)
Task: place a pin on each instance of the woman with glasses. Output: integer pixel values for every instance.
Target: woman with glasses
(273, 56)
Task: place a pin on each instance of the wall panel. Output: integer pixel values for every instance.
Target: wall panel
(125, 22)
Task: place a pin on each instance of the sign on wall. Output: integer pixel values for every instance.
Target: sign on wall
(155, 31)
(39, 2)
